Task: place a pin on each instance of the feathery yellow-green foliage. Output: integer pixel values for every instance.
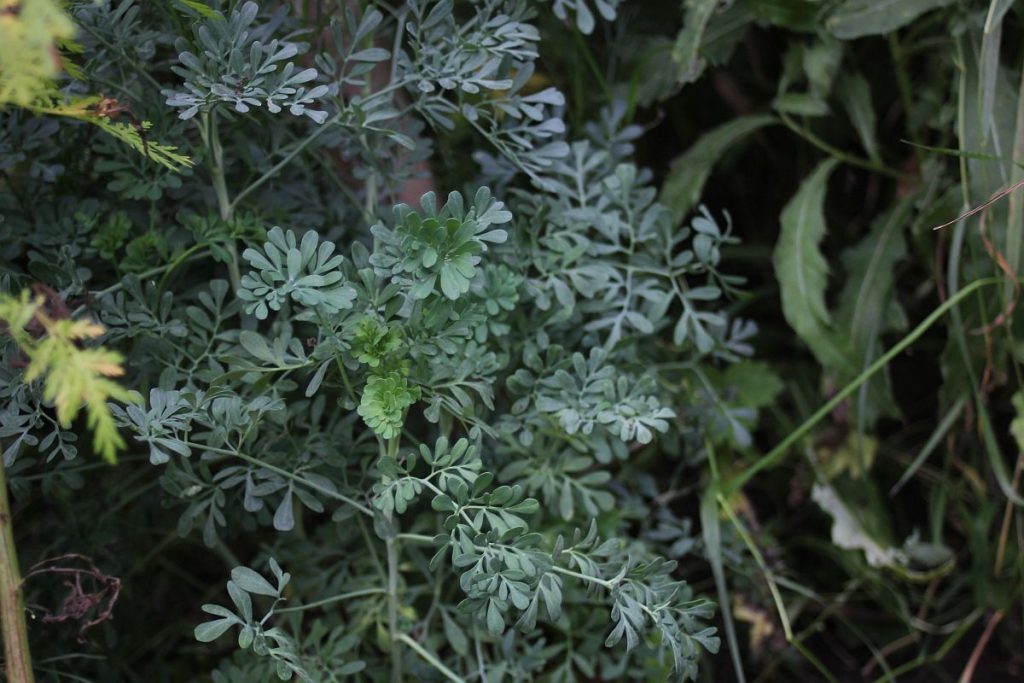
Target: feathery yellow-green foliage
(73, 377)
(29, 33)
(83, 109)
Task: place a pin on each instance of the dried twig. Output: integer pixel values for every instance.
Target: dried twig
(986, 635)
(79, 603)
(991, 200)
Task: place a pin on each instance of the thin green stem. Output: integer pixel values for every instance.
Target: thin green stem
(211, 137)
(394, 636)
(780, 451)
(604, 583)
(838, 153)
(588, 58)
(391, 546)
(286, 474)
(429, 658)
(173, 265)
(333, 599)
(295, 151)
(142, 276)
(905, 88)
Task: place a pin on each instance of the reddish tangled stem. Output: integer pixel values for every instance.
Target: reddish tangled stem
(78, 604)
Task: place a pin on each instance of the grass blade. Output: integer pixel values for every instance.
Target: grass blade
(780, 451)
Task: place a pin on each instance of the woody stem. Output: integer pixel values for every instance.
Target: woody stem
(17, 656)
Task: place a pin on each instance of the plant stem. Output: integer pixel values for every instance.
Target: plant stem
(295, 151)
(227, 209)
(185, 256)
(431, 659)
(779, 452)
(604, 583)
(979, 649)
(415, 538)
(286, 474)
(838, 153)
(141, 276)
(17, 656)
(392, 556)
(334, 598)
(393, 634)
(905, 88)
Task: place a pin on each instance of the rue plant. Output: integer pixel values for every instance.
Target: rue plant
(441, 411)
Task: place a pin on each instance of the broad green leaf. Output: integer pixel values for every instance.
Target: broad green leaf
(212, 630)
(821, 63)
(250, 581)
(495, 621)
(800, 104)
(317, 380)
(686, 51)
(796, 15)
(855, 94)
(1015, 211)
(255, 344)
(756, 384)
(802, 270)
(284, 516)
(859, 18)
(866, 303)
(870, 269)
(724, 32)
(454, 634)
(685, 182)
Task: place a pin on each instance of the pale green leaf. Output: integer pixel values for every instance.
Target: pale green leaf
(801, 267)
(686, 51)
(212, 630)
(866, 302)
(685, 182)
(855, 94)
(859, 18)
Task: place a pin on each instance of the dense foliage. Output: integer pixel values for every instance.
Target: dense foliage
(391, 340)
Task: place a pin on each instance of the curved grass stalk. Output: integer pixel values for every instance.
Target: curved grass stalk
(777, 454)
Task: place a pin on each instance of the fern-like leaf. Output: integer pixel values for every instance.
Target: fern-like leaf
(73, 377)
(29, 61)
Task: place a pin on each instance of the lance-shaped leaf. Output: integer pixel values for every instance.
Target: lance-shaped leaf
(684, 185)
(866, 305)
(858, 18)
(803, 271)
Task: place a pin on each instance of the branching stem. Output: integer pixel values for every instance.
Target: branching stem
(333, 599)
(286, 474)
